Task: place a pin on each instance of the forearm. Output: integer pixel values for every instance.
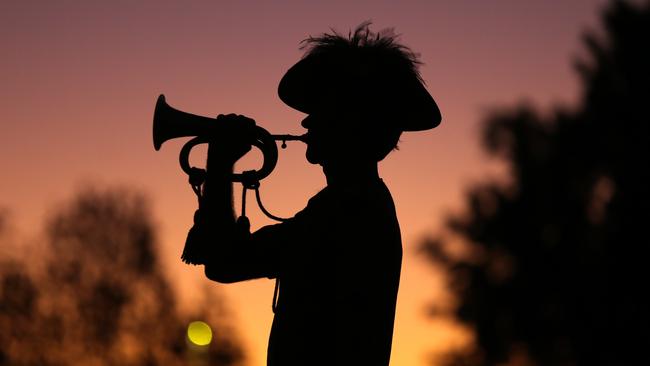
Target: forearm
(234, 253)
(233, 256)
(217, 203)
(222, 235)
(224, 240)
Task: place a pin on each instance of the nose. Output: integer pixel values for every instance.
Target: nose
(307, 122)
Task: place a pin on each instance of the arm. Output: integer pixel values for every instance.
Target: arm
(217, 200)
(228, 250)
(225, 237)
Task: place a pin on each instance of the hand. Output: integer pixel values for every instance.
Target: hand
(235, 141)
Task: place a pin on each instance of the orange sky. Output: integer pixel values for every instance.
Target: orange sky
(79, 80)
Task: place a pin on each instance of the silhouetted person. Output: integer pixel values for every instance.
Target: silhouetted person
(338, 260)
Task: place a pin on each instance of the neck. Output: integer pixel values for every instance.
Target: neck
(341, 174)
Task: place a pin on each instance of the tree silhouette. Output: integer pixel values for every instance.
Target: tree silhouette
(551, 267)
(99, 297)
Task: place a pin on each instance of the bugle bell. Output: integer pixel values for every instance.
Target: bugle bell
(170, 123)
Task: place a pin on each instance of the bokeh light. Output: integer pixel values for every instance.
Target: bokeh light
(199, 333)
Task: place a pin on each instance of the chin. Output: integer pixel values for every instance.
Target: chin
(312, 159)
(312, 156)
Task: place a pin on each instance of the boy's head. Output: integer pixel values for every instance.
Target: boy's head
(360, 93)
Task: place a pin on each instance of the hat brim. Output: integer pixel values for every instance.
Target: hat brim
(313, 83)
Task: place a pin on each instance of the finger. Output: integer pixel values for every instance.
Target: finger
(227, 117)
(246, 119)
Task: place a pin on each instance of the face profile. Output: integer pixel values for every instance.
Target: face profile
(329, 136)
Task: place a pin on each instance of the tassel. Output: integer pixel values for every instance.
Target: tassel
(194, 251)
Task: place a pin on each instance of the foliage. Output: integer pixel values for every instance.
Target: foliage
(554, 263)
(97, 294)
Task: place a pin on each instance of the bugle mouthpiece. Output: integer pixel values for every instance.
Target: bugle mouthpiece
(285, 138)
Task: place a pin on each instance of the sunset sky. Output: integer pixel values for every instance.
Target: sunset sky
(79, 81)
